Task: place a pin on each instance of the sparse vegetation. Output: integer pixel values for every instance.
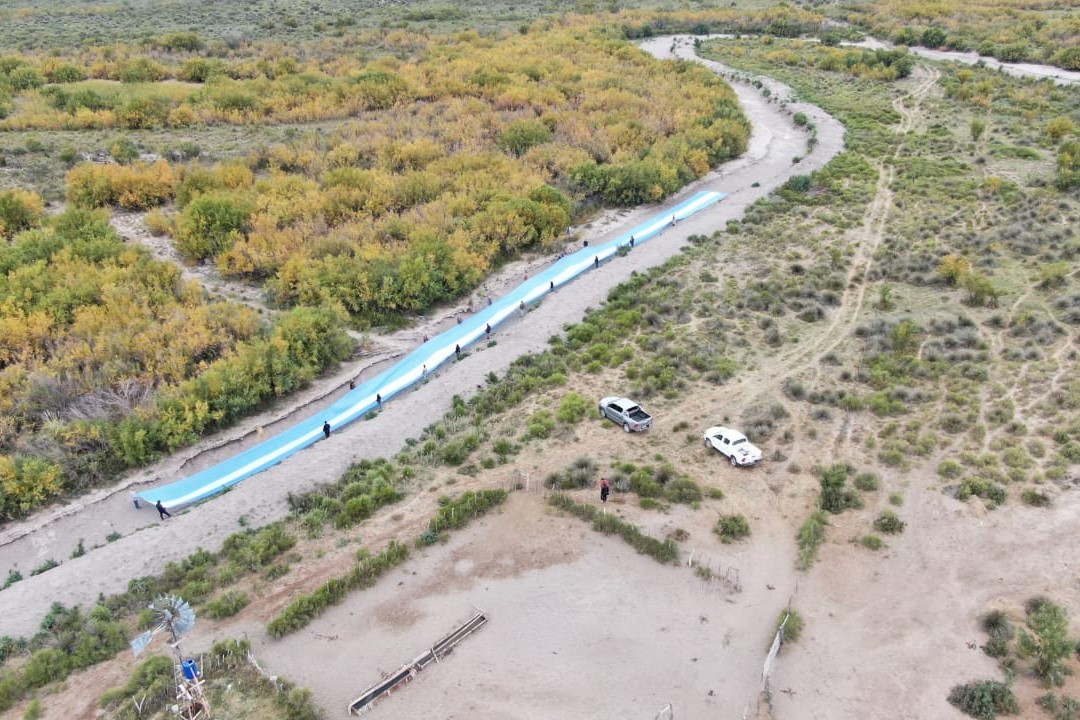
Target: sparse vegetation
(732, 528)
(663, 551)
(985, 699)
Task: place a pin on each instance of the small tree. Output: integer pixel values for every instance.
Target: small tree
(953, 268)
(980, 290)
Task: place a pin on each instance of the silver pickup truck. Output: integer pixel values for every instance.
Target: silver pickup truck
(626, 413)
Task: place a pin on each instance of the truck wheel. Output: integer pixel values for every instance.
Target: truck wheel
(626, 427)
(734, 462)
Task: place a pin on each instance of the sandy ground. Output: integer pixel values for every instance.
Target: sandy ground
(579, 625)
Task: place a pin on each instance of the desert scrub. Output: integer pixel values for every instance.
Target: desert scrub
(1046, 641)
(889, 522)
(732, 528)
(580, 474)
(227, 604)
(810, 537)
(985, 699)
(459, 512)
(663, 551)
(1035, 498)
(361, 490)
(872, 542)
(835, 496)
(867, 482)
(367, 570)
(790, 623)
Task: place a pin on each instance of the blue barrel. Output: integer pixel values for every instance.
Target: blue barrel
(190, 669)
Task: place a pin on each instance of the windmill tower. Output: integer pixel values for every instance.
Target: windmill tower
(176, 616)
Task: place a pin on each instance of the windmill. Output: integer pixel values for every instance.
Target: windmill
(175, 615)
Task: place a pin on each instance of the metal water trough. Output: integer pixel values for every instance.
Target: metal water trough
(443, 647)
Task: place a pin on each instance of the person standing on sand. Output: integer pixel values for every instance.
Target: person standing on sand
(605, 489)
(326, 428)
(162, 512)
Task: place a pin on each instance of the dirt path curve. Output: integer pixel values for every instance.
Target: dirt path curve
(146, 544)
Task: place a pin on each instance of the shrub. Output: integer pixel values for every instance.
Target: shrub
(872, 542)
(867, 482)
(1046, 640)
(996, 647)
(211, 224)
(794, 626)
(663, 551)
(996, 624)
(227, 604)
(364, 574)
(572, 408)
(835, 497)
(539, 425)
(682, 490)
(19, 210)
(984, 699)
(810, 537)
(731, 528)
(888, 522)
(1035, 498)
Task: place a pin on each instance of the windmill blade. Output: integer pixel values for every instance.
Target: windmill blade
(175, 614)
(139, 643)
(185, 618)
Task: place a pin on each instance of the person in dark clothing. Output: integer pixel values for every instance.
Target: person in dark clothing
(326, 429)
(162, 512)
(457, 351)
(605, 489)
(352, 384)
(487, 329)
(596, 261)
(378, 400)
(631, 241)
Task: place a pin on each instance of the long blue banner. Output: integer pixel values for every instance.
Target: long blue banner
(413, 367)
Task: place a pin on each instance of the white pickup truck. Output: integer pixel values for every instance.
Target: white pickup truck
(625, 412)
(733, 445)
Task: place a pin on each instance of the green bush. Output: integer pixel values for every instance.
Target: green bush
(539, 425)
(572, 408)
(810, 537)
(835, 496)
(1035, 498)
(663, 551)
(996, 647)
(211, 224)
(984, 699)
(872, 542)
(1046, 641)
(867, 482)
(227, 604)
(732, 528)
(888, 522)
(794, 626)
(301, 611)
(682, 490)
